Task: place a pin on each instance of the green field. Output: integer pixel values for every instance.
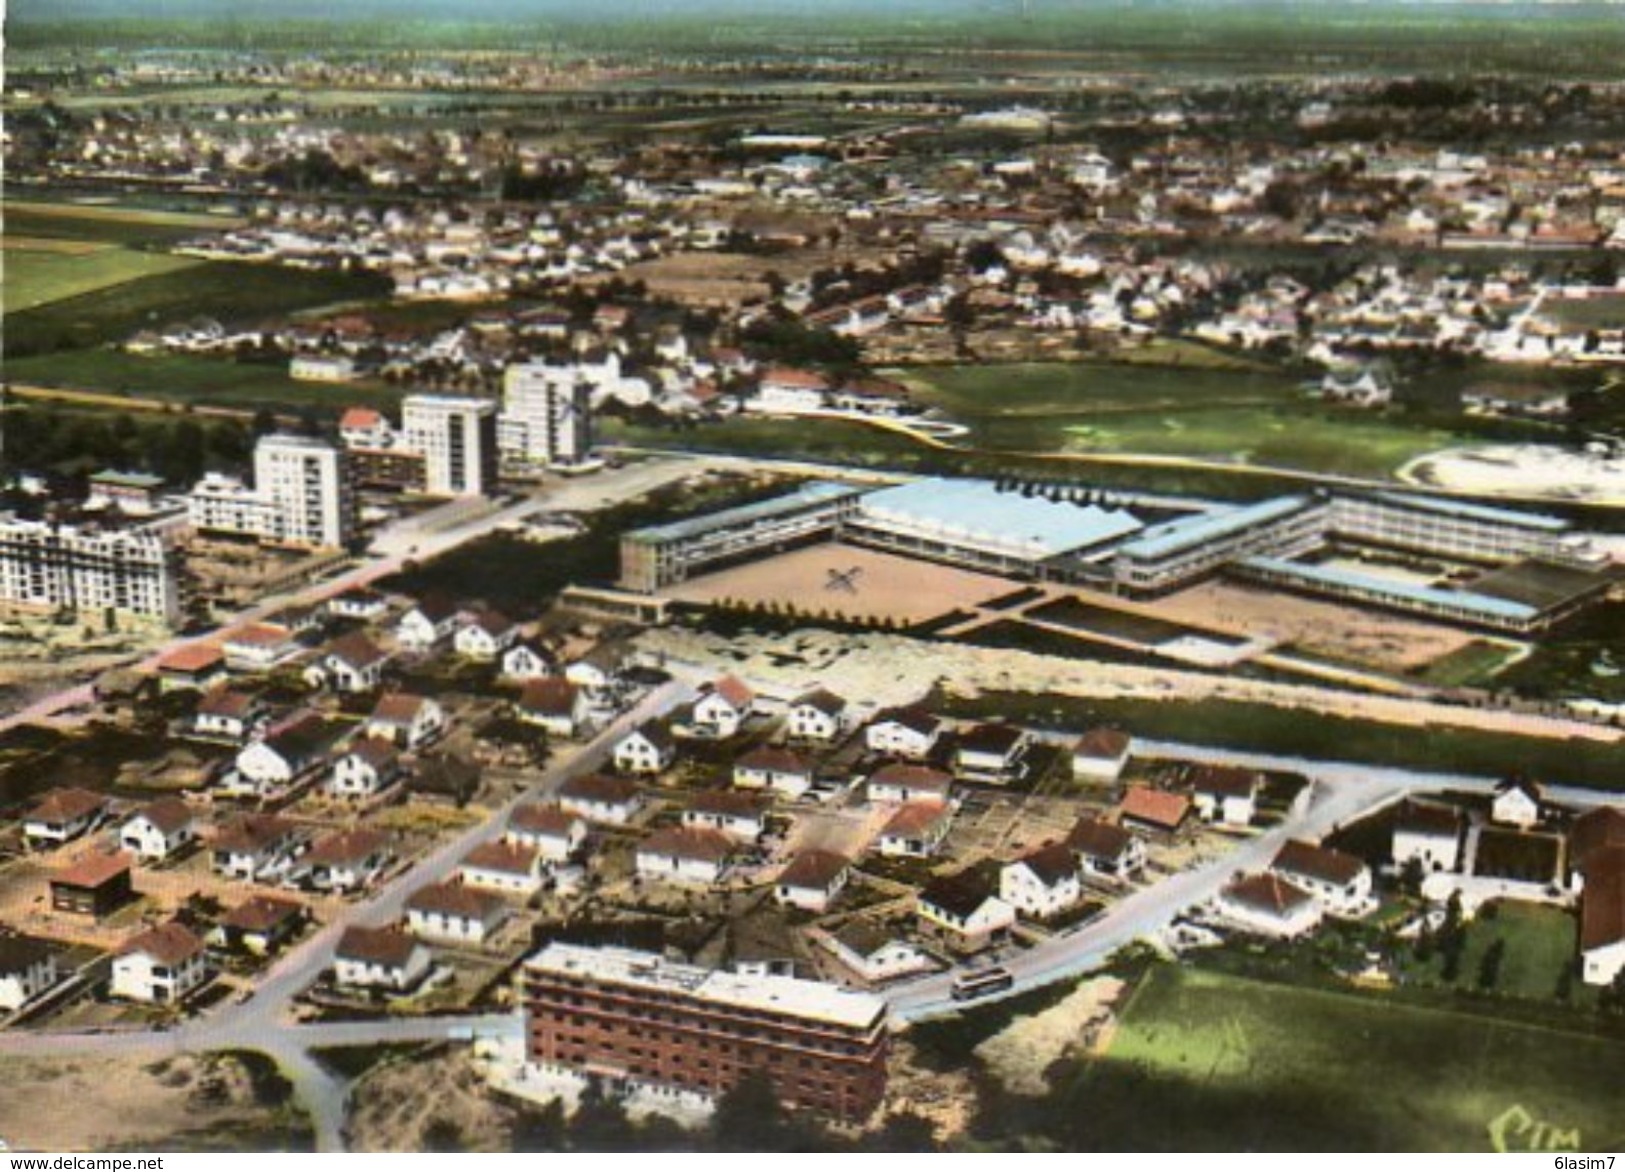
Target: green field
(97, 223)
(1539, 945)
(1198, 410)
(1296, 733)
(1585, 657)
(1279, 1066)
(1473, 664)
(39, 276)
(229, 291)
(191, 379)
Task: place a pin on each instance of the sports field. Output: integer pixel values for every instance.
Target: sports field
(1364, 1071)
(821, 579)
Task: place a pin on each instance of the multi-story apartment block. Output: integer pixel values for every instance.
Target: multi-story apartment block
(308, 481)
(546, 418)
(647, 1023)
(88, 568)
(458, 440)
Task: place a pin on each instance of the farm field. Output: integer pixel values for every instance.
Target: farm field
(40, 270)
(1360, 1072)
(230, 291)
(191, 379)
(1245, 415)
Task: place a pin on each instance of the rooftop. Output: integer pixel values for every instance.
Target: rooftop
(786, 996)
(1484, 604)
(976, 513)
(1182, 533)
(815, 493)
(1432, 504)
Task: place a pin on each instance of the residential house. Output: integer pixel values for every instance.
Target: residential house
(61, 816)
(555, 833)
(741, 816)
(195, 666)
(257, 847)
(1517, 803)
(1428, 833)
(406, 720)
(365, 769)
(647, 749)
(352, 663)
(1226, 794)
(962, 912)
(1339, 881)
(528, 661)
(160, 966)
(916, 831)
(903, 732)
(380, 958)
(1602, 918)
(368, 606)
(770, 767)
(1042, 883)
(454, 914)
(685, 854)
(158, 830)
(874, 952)
(259, 647)
(486, 636)
(1105, 851)
(346, 860)
(229, 714)
(427, 625)
(596, 672)
(1100, 754)
(28, 968)
(812, 880)
(285, 756)
(991, 753)
(260, 925)
(504, 866)
(1268, 905)
(94, 886)
(555, 704)
(719, 713)
(597, 798)
(1154, 811)
(909, 783)
(818, 717)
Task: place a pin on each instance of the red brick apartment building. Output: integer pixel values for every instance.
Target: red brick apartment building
(636, 1019)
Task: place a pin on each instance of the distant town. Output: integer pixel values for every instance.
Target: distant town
(625, 597)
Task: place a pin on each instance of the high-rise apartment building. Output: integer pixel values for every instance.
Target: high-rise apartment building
(458, 440)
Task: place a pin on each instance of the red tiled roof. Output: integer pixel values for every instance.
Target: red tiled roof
(542, 818)
(1225, 781)
(912, 777)
(168, 944)
(814, 870)
(167, 814)
(66, 805)
(506, 857)
(1156, 807)
(1098, 840)
(261, 913)
(382, 946)
(450, 899)
(688, 842)
(93, 870)
(398, 708)
(192, 658)
(549, 696)
(347, 846)
(1107, 744)
(916, 818)
(735, 691)
(1267, 893)
(772, 759)
(1331, 866)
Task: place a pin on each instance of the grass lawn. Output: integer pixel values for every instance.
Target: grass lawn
(1361, 1072)
(1539, 948)
(1291, 732)
(1585, 657)
(230, 291)
(1244, 414)
(39, 276)
(186, 378)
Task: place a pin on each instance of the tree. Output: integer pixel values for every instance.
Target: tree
(540, 1131)
(443, 1135)
(750, 1118)
(905, 1132)
(1489, 965)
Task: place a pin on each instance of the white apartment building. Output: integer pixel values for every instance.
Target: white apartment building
(457, 438)
(86, 568)
(224, 504)
(308, 481)
(546, 415)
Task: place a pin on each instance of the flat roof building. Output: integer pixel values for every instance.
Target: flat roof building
(639, 1020)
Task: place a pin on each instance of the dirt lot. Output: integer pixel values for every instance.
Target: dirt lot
(186, 1102)
(1342, 632)
(886, 586)
(1019, 1055)
(394, 1107)
(727, 278)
